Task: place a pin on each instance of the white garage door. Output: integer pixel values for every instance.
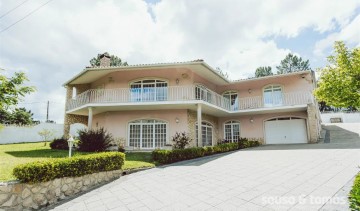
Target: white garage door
(290, 130)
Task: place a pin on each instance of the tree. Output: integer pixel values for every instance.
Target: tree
(114, 61)
(292, 63)
(21, 116)
(13, 89)
(339, 83)
(46, 134)
(263, 71)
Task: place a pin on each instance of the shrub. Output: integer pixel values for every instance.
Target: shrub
(95, 140)
(354, 196)
(42, 171)
(59, 143)
(181, 140)
(171, 156)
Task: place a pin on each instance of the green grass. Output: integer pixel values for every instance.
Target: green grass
(14, 154)
(355, 194)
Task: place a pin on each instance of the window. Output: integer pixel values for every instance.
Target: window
(233, 99)
(232, 131)
(147, 134)
(148, 90)
(273, 95)
(202, 93)
(206, 133)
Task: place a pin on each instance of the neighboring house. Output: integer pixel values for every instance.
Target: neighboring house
(147, 104)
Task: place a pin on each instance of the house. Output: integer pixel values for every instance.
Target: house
(147, 104)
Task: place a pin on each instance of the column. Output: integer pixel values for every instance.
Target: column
(199, 120)
(90, 118)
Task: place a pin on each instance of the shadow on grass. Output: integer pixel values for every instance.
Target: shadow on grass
(42, 153)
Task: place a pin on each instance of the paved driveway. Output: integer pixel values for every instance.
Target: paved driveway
(281, 177)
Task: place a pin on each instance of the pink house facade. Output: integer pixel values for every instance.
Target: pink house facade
(145, 105)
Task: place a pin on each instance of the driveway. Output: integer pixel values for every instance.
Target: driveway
(277, 177)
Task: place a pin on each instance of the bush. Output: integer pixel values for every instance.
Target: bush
(42, 171)
(59, 143)
(171, 156)
(181, 140)
(95, 140)
(354, 196)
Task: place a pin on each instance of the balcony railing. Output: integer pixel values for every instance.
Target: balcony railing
(184, 93)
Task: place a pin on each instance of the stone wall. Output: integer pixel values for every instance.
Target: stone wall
(192, 119)
(314, 122)
(20, 196)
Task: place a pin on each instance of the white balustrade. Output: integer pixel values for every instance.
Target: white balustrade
(185, 93)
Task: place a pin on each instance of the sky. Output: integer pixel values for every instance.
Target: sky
(53, 41)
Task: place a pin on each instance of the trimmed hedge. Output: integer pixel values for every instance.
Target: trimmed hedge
(175, 155)
(42, 171)
(354, 196)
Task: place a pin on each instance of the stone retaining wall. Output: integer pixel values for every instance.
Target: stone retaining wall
(20, 196)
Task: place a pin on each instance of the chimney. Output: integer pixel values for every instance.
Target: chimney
(105, 60)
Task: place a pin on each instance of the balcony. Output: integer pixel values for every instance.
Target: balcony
(179, 94)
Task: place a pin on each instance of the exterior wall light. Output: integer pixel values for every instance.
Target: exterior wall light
(177, 81)
(251, 120)
(249, 91)
(177, 120)
(70, 144)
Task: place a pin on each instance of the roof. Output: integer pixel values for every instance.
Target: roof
(90, 74)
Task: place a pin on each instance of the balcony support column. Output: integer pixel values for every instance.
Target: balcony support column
(199, 121)
(90, 117)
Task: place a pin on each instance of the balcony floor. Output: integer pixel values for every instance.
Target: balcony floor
(207, 108)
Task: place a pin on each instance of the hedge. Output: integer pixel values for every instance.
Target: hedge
(42, 171)
(171, 156)
(354, 196)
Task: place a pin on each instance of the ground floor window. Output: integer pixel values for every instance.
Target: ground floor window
(206, 133)
(232, 131)
(147, 133)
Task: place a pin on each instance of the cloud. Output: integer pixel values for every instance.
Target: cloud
(349, 33)
(58, 40)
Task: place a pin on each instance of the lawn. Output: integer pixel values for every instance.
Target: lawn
(14, 154)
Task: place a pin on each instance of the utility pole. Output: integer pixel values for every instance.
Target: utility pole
(47, 112)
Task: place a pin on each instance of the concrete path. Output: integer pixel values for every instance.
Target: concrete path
(281, 177)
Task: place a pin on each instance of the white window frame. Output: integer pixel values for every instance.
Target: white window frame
(232, 123)
(207, 126)
(153, 123)
(204, 93)
(156, 95)
(228, 95)
(274, 101)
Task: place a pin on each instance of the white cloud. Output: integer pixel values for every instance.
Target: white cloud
(58, 41)
(349, 33)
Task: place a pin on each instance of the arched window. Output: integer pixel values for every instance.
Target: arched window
(232, 96)
(232, 131)
(202, 93)
(206, 133)
(148, 90)
(147, 133)
(273, 96)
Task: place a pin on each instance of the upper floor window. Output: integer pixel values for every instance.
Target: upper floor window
(273, 95)
(149, 90)
(232, 96)
(203, 93)
(232, 131)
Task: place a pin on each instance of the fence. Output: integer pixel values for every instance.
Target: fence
(18, 134)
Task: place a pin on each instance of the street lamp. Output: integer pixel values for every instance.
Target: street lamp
(70, 144)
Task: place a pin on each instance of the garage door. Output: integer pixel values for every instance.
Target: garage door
(290, 130)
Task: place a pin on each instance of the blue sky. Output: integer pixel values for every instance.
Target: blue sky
(57, 41)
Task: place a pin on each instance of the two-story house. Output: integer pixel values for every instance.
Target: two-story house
(147, 104)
